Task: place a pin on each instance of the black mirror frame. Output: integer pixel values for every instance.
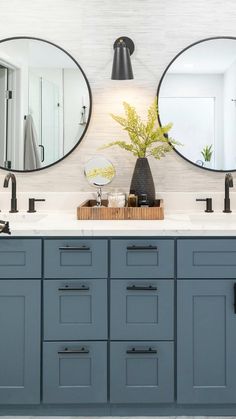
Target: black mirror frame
(158, 91)
(90, 99)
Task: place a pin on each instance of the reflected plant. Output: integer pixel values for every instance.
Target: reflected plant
(207, 152)
(107, 172)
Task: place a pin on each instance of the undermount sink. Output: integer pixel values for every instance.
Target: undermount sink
(213, 218)
(22, 217)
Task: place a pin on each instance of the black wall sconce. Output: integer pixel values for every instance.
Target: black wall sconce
(122, 68)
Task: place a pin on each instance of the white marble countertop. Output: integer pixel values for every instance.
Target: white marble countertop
(57, 217)
(66, 224)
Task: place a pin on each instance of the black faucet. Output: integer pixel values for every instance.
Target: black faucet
(13, 190)
(228, 184)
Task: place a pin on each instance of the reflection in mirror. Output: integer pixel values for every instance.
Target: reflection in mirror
(198, 95)
(99, 172)
(45, 104)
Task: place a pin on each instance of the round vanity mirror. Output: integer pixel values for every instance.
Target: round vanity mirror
(99, 171)
(45, 104)
(197, 93)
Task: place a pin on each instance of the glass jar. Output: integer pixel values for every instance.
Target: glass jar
(116, 200)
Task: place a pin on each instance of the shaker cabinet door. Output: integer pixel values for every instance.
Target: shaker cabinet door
(206, 342)
(20, 341)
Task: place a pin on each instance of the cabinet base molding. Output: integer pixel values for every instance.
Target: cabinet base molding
(118, 410)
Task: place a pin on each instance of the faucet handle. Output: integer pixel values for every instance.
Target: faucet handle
(208, 203)
(32, 204)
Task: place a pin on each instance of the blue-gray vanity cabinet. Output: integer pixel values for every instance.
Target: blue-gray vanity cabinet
(139, 258)
(20, 341)
(141, 372)
(20, 258)
(74, 372)
(75, 310)
(206, 342)
(73, 258)
(206, 258)
(142, 309)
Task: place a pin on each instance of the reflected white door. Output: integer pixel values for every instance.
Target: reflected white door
(193, 121)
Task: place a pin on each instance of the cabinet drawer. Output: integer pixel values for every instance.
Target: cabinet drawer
(75, 258)
(20, 258)
(75, 309)
(207, 258)
(142, 309)
(142, 258)
(74, 372)
(142, 372)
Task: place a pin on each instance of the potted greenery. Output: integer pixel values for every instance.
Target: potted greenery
(145, 139)
(207, 154)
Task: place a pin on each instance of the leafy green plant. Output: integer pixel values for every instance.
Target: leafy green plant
(146, 138)
(207, 152)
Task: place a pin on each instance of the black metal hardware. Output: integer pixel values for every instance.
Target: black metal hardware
(134, 247)
(13, 190)
(141, 288)
(74, 248)
(235, 298)
(68, 288)
(208, 203)
(43, 152)
(4, 227)
(148, 351)
(32, 204)
(67, 351)
(228, 184)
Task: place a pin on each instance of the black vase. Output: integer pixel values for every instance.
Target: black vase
(142, 180)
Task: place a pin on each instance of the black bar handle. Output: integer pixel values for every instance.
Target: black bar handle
(235, 298)
(43, 153)
(148, 351)
(74, 248)
(141, 288)
(67, 351)
(68, 288)
(134, 247)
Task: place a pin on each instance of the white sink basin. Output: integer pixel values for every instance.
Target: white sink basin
(22, 217)
(213, 218)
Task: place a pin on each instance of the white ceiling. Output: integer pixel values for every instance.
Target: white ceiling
(214, 56)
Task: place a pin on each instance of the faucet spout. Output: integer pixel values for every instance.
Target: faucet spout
(13, 190)
(228, 184)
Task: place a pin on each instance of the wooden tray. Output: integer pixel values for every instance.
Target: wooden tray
(88, 211)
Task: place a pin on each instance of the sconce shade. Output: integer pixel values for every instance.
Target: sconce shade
(122, 68)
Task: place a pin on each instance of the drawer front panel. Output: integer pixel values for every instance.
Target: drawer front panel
(142, 309)
(142, 258)
(75, 258)
(142, 372)
(207, 258)
(75, 310)
(20, 258)
(75, 372)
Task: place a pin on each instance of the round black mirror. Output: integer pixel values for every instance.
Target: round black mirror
(197, 93)
(45, 104)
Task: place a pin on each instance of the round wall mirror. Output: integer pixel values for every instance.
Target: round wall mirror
(45, 104)
(99, 171)
(197, 93)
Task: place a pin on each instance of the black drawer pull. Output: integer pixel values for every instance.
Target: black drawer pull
(141, 288)
(134, 351)
(74, 351)
(68, 288)
(235, 298)
(134, 247)
(74, 248)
